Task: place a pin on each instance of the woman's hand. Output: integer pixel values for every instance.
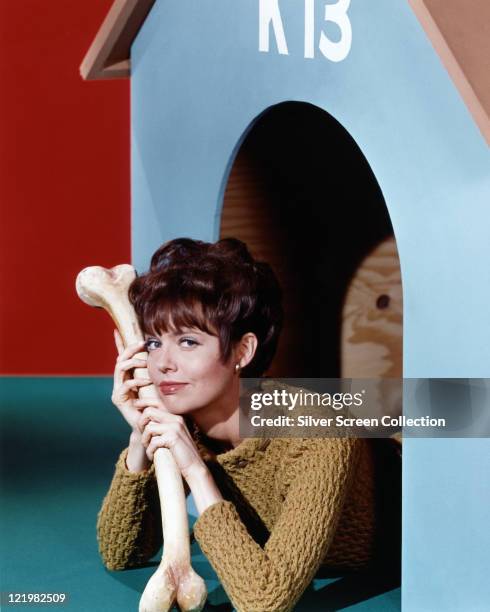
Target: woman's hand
(161, 429)
(125, 390)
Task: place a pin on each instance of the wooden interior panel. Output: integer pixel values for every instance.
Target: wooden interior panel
(372, 317)
(247, 215)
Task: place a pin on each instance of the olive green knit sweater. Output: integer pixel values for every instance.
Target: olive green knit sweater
(290, 506)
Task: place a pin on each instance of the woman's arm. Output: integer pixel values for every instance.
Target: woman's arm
(203, 488)
(271, 579)
(129, 524)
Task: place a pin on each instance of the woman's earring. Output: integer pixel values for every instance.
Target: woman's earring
(237, 368)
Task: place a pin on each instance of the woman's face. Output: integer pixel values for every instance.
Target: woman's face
(187, 369)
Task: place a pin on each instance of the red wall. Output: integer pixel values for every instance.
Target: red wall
(64, 181)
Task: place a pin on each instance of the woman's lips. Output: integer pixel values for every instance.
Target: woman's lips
(169, 388)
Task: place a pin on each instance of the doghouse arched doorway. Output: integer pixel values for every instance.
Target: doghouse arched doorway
(302, 195)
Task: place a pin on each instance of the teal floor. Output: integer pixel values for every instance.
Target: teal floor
(60, 438)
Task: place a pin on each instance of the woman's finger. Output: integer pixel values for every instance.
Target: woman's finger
(162, 416)
(153, 414)
(121, 393)
(149, 415)
(134, 383)
(130, 364)
(166, 440)
(155, 402)
(123, 367)
(132, 349)
(153, 429)
(147, 434)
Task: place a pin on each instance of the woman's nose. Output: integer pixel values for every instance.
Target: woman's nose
(166, 360)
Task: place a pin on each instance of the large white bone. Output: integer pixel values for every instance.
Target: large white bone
(174, 580)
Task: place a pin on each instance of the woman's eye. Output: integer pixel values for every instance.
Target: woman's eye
(151, 344)
(188, 342)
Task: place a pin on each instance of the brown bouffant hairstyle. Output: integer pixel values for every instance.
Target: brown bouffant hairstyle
(218, 288)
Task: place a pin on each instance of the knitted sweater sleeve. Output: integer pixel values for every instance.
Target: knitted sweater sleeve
(272, 579)
(129, 527)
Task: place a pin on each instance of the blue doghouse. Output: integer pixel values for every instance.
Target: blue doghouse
(333, 140)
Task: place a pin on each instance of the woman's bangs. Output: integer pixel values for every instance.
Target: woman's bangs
(173, 313)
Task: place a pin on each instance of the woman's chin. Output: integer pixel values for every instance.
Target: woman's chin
(177, 406)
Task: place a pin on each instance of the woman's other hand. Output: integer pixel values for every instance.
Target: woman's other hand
(161, 429)
(125, 390)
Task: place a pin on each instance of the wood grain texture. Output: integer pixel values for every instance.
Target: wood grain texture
(372, 317)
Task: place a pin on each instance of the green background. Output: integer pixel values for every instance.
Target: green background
(60, 439)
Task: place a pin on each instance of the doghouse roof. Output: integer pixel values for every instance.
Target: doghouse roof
(457, 29)
(109, 53)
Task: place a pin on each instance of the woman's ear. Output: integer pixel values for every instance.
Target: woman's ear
(245, 349)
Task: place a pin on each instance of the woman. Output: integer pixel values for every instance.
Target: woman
(271, 512)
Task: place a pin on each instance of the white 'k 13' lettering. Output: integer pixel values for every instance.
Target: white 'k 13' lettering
(270, 15)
